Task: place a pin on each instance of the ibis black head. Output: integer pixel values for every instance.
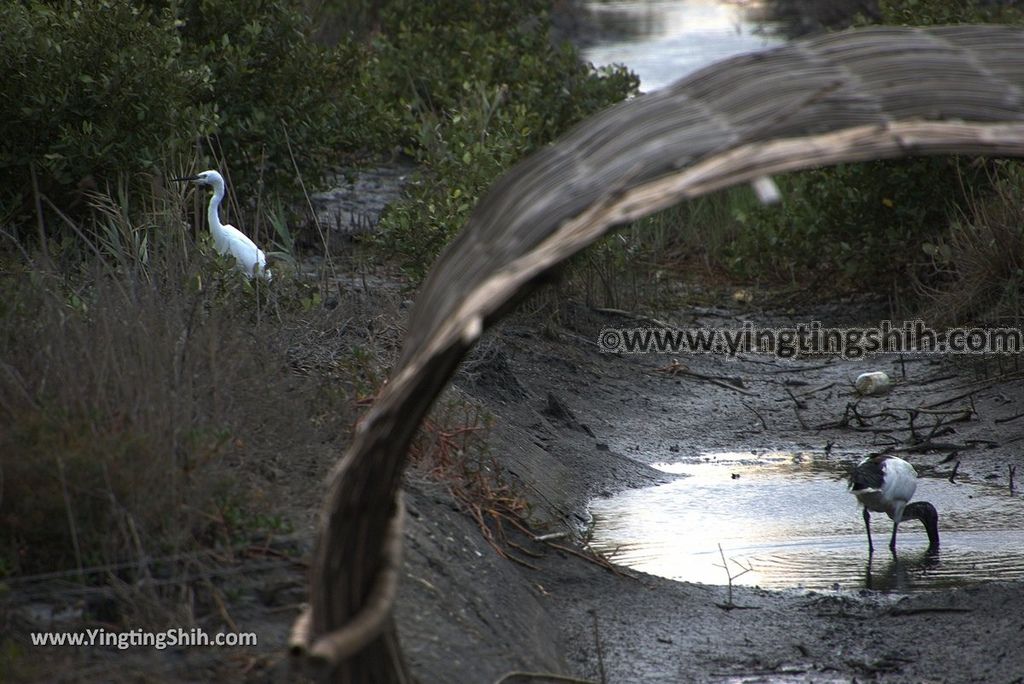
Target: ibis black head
(868, 474)
(926, 513)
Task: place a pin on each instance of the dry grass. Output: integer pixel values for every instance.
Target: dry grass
(976, 274)
(126, 407)
(451, 448)
(159, 413)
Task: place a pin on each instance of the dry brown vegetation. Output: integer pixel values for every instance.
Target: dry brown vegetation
(158, 413)
(977, 267)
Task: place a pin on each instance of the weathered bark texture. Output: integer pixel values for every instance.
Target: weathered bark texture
(854, 96)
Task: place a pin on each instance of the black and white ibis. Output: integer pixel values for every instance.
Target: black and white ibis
(885, 484)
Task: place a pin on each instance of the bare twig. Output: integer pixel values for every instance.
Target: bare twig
(72, 527)
(958, 397)
(999, 421)
(929, 609)
(756, 413)
(745, 569)
(36, 198)
(540, 676)
(797, 406)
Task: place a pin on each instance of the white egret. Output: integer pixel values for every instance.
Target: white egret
(226, 238)
(885, 484)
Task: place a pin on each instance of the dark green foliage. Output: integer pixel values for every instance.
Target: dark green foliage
(863, 226)
(117, 87)
(863, 223)
(481, 86)
(275, 92)
(111, 88)
(938, 12)
(91, 89)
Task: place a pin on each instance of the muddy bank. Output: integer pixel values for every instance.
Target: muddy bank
(353, 205)
(572, 424)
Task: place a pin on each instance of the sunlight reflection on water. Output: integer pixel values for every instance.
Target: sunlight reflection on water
(792, 519)
(663, 40)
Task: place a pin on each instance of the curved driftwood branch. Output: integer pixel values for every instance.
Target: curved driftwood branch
(854, 96)
(323, 653)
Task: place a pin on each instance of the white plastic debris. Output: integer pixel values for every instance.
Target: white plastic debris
(872, 384)
(766, 190)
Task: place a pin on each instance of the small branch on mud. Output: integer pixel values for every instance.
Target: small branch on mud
(636, 317)
(797, 406)
(965, 395)
(850, 411)
(729, 605)
(734, 383)
(804, 395)
(918, 440)
(522, 549)
(540, 676)
(546, 539)
(755, 412)
(798, 369)
(222, 609)
(592, 558)
(1012, 470)
(929, 445)
(999, 421)
(929, 609)
(938, 378)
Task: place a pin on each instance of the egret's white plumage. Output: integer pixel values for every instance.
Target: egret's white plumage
(226, 238)
(885, 484)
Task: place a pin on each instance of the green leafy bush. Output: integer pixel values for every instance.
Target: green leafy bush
(111, 88)
(864, 225)
(938, 12)
(481, 86)
(279, 100)
(115, 88)
(93, 90)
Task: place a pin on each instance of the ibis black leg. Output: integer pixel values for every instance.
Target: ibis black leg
(892, 542)
(867, 526)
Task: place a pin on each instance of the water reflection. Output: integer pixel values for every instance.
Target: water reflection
(900, 572)
(791, 517)
(663, 40)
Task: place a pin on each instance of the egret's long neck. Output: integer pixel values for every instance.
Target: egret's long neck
(213, 213)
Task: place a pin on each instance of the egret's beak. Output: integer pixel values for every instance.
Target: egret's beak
(185, 178)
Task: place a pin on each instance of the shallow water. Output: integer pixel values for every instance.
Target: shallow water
(664, 40)
(792, 520)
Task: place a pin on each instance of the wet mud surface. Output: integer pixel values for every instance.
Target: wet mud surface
(574, 426)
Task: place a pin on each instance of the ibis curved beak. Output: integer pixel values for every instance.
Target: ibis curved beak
(185, 178)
